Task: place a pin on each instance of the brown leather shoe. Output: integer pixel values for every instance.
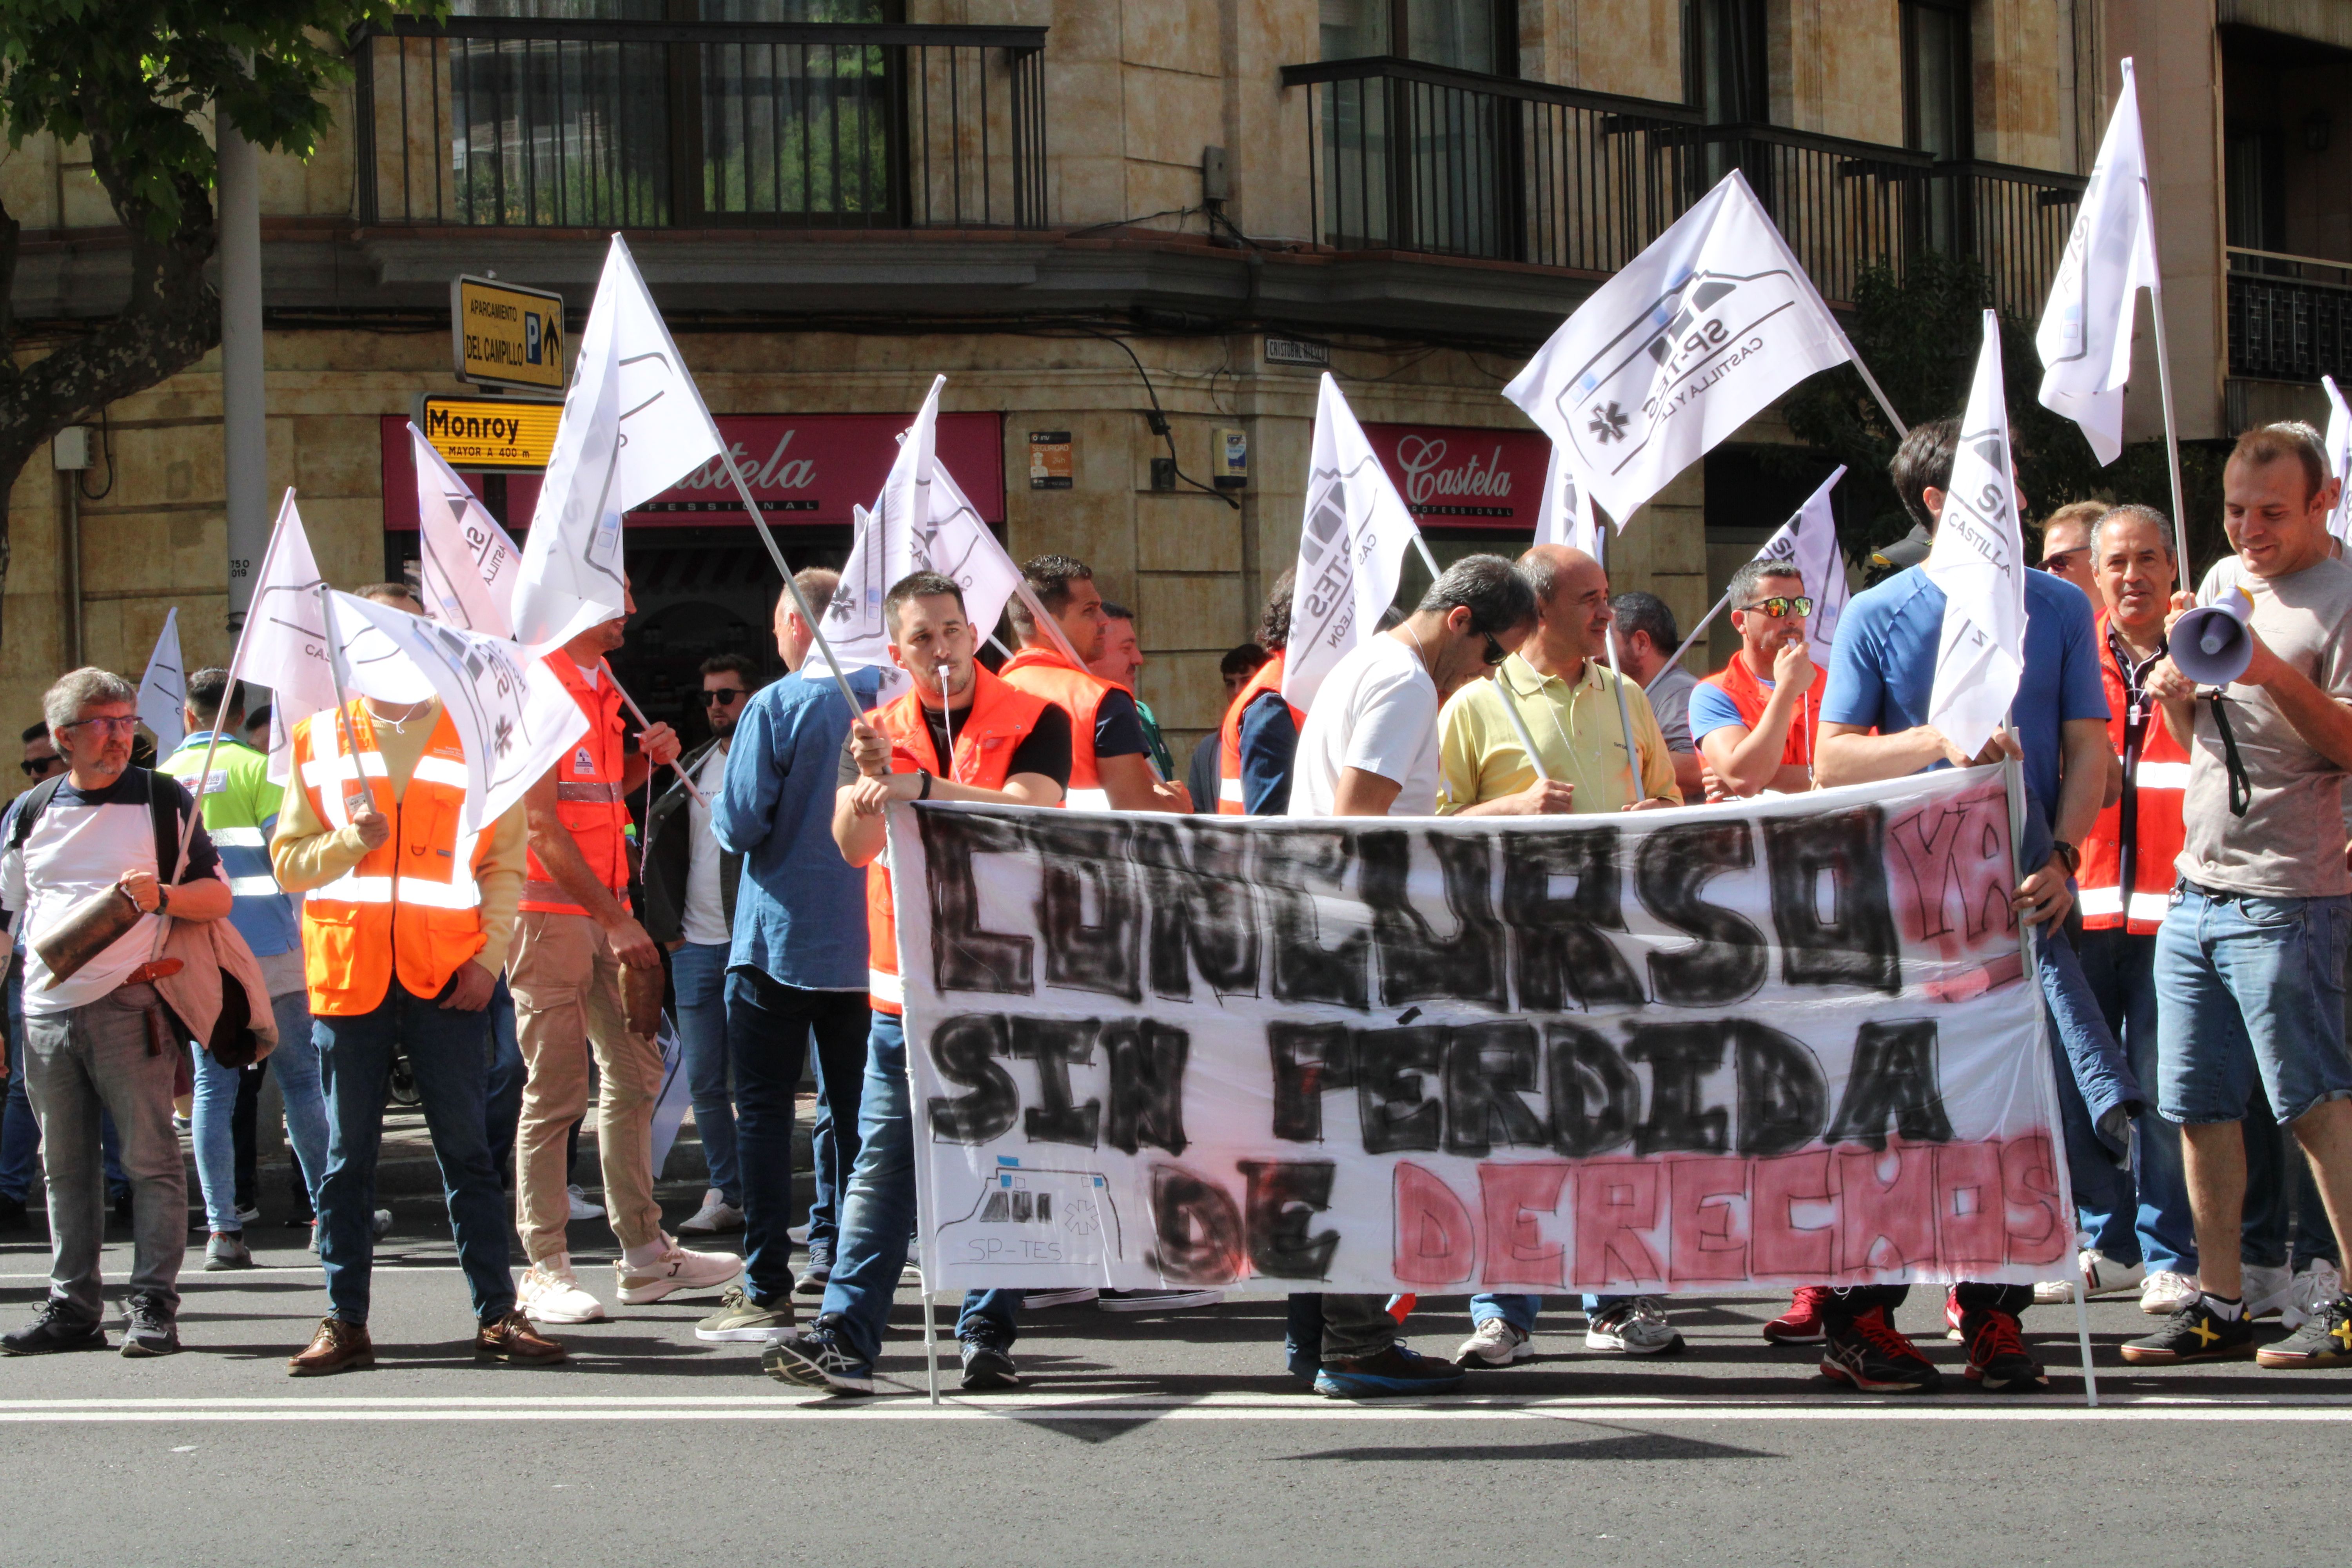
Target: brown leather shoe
(512, 1339)
(338, 1346)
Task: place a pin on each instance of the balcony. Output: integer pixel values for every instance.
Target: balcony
(484, 121)
(1413, 157)
(2290, 316)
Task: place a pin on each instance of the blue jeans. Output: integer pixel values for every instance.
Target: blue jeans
(20, 1130)
(295, 1064)
(448, 1052)
(215, 1102)
(2252, 993)
(768, 1025)
(988, 1316)
(1520, 1311)
(878, 1212)
(698, 973)
(503, 1104)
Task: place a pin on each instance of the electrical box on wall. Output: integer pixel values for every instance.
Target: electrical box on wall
(1229, 457)
(1163, 473)
(69, 449)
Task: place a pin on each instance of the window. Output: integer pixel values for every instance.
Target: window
(1938, 111)
(2254, 203)
(1726, 72)
(1468, 35)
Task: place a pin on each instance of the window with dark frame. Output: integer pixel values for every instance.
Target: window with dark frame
(1939, 102)
(1726, 72)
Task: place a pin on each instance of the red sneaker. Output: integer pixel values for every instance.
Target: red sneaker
(1802, 1323)
(1874, 1357)
(1953, 1329)
(1998, 1361)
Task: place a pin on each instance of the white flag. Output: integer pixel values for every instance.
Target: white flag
(1979, 560)
(1567, 515)
(164, 689)
(922, 522)
(633, 424)
(2085, 335)
(468, 563)
(512, 713)
(1809, 542)
(1350, 548)
(2339, 459)
(1693, 339)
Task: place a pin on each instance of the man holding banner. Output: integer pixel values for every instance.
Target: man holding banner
(403, 933)
(961, 733)
(1370, 748)
(1878, 709)
(575, 935)
(1758, 731)
(2250, 959)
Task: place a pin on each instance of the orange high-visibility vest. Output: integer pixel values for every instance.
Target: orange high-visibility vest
(1078, 691)
(590, 797)
(1737, 681)
(1001, 718)
(411, 908)
(2155, 780)
(1268, 678)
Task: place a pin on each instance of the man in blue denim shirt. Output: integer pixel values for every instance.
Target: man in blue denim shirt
(797, 965)
(1882, 675)
(2250, 959)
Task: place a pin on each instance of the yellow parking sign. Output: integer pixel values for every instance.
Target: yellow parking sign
(504, 336)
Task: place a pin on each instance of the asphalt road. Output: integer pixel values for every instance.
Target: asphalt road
(1158, 1440)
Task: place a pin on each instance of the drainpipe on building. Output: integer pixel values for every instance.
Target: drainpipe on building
(245, 435)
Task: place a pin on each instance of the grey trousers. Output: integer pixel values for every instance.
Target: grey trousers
(1356, 1326)
(80, 1062)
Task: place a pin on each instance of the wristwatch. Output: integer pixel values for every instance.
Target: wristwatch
(2068, 853)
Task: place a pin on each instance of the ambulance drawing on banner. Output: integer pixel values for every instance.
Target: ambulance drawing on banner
(1036, 1216)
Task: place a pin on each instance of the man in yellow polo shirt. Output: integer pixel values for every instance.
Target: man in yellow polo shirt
(1565, 698)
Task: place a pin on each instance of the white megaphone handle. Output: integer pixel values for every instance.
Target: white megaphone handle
(2216, 638)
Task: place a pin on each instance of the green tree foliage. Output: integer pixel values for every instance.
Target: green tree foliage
(140, 82)
(1919, 334)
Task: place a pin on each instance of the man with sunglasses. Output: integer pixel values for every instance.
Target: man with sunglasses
(2066, 551)
(691, 880)
(1562, 696)
(1755, 718)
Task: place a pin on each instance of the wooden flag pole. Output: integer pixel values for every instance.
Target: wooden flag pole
(1511, 707)
(816, 629)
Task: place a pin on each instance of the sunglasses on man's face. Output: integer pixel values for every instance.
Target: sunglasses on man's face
(1494, 653)
(1778, 606)
(723, 694)
(42, 767)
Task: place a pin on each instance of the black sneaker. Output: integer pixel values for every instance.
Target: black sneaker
(811, 1285)
(12, 1213)
(148, 1328)
(2193, 1333)
(987, 1367)
(1869, 1355)
(814, 1357)
(54, 1328)
(1998, 1361)
(2325, 1341)
(1397, 1370)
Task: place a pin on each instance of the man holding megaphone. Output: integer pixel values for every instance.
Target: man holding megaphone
(2250, 959)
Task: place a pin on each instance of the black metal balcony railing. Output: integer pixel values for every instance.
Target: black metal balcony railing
(1420, 157)
(2290, 317)
(483, 121)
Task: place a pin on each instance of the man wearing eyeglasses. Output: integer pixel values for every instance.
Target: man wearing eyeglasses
(691, 880)
(1756, 718)
(2066, 548)
(1562, 696)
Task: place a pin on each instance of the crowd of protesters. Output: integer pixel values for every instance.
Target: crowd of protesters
(2185, 887)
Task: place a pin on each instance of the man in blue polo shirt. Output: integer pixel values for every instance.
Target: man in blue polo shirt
(1874, 726)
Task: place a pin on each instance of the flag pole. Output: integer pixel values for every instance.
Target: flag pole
(1869, 381)
(1624, 712)
(1704, 622)
(817, 630)
(2171, 429)
(683, 777)
(343, 700)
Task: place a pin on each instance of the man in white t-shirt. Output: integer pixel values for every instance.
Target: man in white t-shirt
(691, 881)
(1369, 748)
(100, 1039)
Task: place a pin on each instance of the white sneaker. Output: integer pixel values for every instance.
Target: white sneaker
(2265, 1291)
(676, 1270)
(581, 1207)
(1040, 1299)
(1637, 1327)
(2165, 1292)
(716, 1214)
(2107, 1277)
(548, 1293)
(2314, 1288)
(1496, 1344)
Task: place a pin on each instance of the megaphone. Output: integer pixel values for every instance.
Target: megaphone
(2211, 645)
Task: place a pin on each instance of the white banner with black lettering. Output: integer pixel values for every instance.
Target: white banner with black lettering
(1785, 1042)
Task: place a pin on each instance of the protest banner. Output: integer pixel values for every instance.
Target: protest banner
(1350, 548)
(1789, 1041)
(467, 562)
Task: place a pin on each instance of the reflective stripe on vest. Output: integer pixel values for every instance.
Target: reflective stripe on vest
(1088, 800)
(411, 908)
(1000, 719)
(588, 800)
(2155, 790)
(1231, 800)
(2146, 908)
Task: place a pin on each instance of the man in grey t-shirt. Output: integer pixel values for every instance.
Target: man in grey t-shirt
(2250, 959)
(1643, 630)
